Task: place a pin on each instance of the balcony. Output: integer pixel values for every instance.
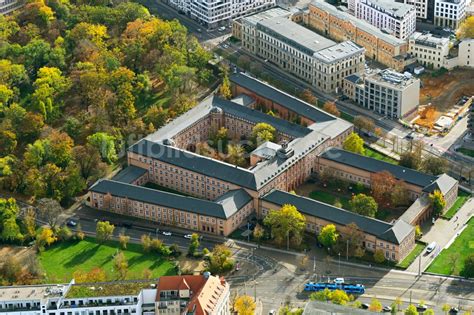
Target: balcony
(19, 309)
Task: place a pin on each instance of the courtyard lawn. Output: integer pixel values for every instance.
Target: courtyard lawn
(466, 151)
(379, 156)
(460, 201)
(329, 198)
(419, 247)
(61, 260)
(462, 246)
(163, 188)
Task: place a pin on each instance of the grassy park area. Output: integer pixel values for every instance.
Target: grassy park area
(460, 201)
(419, 247)
(379, 156)
(451, 260)
(61, 260)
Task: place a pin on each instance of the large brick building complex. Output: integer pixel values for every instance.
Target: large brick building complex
(217, 197)
(342, 26)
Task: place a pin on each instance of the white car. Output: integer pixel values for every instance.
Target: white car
(188, 236)
(431, 247)
(166, 233)
(339, 281)
(225, 46)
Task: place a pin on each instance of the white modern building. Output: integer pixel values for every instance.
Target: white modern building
(386, 92)
(318, 60)
(450, 13)
(430, 50)
(424, 9)
(213, 13)
(172, 295)
(398, 19)
(8, 6)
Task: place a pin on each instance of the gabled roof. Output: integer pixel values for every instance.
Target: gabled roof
(129, 174)
(292, 103)
(223, 208)
(444, 183)
(373, 165)
(383, 230)
(196, 163)
(190, 282)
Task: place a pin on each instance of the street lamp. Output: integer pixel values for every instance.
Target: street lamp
(339, 254)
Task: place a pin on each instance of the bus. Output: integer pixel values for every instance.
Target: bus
(348, 288)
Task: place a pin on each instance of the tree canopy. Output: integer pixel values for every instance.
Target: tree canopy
(328, 235)
(354, 143)
(363, 204)
(286, 223)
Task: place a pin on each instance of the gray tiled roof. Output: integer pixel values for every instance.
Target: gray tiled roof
(372, 165)
(129, 174)
(383, 230)
(222, 208)
(196, 163)
(263, 89)
(354, 78)
(443, 183)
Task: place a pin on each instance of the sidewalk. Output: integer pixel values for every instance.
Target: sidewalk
(443, 232)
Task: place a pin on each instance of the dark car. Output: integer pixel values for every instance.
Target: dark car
(127, 225)
(71, 223)
(453, 311)
(421, 308)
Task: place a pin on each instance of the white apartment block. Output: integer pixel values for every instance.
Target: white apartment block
(322, 62)
(424, 8)
(430, 50)
(386, 92)
(449, 13)
(8, 6)
(213, 13)
(466, 53)
(396, 18)
(172, 295)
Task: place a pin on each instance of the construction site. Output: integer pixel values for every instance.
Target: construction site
(444, 99)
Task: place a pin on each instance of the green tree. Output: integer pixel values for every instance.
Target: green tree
(468, 269)
(363, 204)
(258, 233)
(8, 142)
(244, 305)
(220, 260)
(324, 295)
(121, 265)
(104, 231)
(29, 221)
(287, 223)
(411, 310)
(309, 97)
(354, 143)
(157, 116)
(263, 132)
(89, 162)
(339, 297)
(220, 139)
(445, 308)
(437, 202)
(193, 245)
(123, 240)
(434, 165)
(64, 233)
(362, 122)
(418, 232)
(400, 195)
(224, 89)
(466, 29)
(146, 242)
(49, 210)
(11, 230)
(328, 235)
(44, 238)
(105, 144)
(379, 256)
(429, 311)
(375, 305)
(235, 155)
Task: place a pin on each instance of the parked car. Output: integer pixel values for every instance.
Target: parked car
(225, 46)
(339, 281)
(421, 308)
(386, 309)
(188, 236)
(166, 233)
(222, 28)
(431, 247)
(199, 30)
(71, 223)
(453, 311)
(365, 306)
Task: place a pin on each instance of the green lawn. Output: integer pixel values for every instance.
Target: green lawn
(467, 152)
(347, 117)
(61, 260)
(419, 247)
(460, 201)
(462, 246)
(329, 198)
(379, 156)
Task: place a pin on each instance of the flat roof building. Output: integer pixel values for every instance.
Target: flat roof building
(430, 50)
(316, 59)
(398, 19)
(386, 92)
(343, 26)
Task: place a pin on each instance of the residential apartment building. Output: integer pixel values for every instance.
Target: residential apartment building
(449, 13)
(196, 295)
(300, 51)
(213, 13)
(466, 53)
(396, 18)
(342, 26)
(8, 6)
(424, 9)
(386, 92)
(430, 50)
